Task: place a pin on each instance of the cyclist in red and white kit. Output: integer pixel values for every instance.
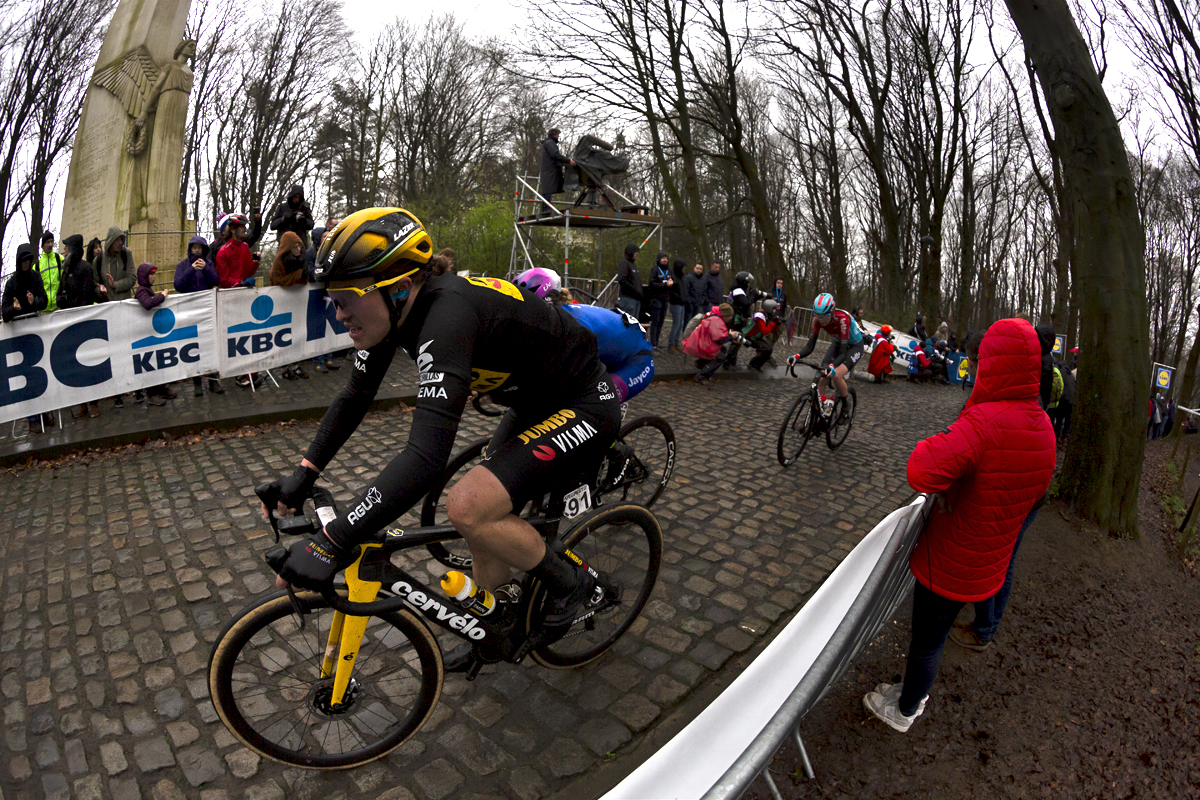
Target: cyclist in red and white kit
(843, 353)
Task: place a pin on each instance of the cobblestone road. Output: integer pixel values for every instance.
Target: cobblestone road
(120, 572)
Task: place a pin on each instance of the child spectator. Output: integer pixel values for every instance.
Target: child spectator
(150, 299)
(293, 215)
(49, 268)
(288, 270)
(235, 264)
(196, 272)
(990, 467)
(24, 293)
(114, 266)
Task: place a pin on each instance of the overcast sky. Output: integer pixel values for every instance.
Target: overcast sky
(479, 17)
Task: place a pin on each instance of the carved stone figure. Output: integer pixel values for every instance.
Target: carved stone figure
(139, 83)
(128, 152)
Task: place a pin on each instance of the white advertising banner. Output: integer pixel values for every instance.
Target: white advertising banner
(275, 326)
(83, 354)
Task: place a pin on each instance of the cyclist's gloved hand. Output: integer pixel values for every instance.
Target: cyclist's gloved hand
(297, 487)
(793, 360)
(312, 563)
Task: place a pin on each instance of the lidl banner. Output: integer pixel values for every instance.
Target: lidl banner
(84, 354)
(1162, 377)
(1060, 345)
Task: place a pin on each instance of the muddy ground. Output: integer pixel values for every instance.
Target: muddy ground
(1091, 689)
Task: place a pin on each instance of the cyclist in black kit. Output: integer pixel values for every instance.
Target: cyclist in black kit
(465, 334)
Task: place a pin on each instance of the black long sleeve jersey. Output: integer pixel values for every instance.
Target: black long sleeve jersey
(465, 334)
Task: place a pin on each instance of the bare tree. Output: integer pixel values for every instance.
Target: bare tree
(1101, 476)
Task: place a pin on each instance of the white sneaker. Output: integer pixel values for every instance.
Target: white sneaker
(886, 710)
(892, 691)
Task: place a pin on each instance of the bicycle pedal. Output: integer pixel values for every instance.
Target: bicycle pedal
(522, 651)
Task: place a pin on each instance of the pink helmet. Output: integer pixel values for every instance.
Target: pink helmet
(539, 281)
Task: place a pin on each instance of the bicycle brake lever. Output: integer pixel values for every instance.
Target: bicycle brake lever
(269, 495)
(297, 609)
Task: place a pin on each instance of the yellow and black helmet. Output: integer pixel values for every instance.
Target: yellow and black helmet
(369, 241)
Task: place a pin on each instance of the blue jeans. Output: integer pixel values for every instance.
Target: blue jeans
(988, 612)
(678, 319)
(630, 306)
(932, 618)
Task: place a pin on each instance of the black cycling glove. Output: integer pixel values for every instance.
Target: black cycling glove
(312, 563)
(296, 488)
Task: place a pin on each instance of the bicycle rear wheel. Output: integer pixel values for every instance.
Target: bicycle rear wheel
(454, 553)
(795, 431)
(648, 471)
(841, 420)
(264, 676)
(624, 543)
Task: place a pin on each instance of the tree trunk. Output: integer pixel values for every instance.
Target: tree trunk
(1103, 466)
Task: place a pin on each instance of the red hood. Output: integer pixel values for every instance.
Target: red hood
(1010, 362)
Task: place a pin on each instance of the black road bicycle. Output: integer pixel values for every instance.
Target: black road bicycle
(636, 470)
(804, 420)
(339, 678)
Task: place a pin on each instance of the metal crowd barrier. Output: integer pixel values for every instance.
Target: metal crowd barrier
(720, 753)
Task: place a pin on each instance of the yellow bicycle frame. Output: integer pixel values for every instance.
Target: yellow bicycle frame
(346, 633)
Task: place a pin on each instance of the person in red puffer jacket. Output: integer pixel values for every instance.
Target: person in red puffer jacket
(990, 467)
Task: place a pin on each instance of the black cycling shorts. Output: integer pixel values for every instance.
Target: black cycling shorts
(851, 357)
(532, 453)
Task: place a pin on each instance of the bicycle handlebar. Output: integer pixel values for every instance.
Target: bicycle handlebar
(477, 401)
(299, 524)
(793, 364)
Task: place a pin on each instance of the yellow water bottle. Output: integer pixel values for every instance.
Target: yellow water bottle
(470, 595)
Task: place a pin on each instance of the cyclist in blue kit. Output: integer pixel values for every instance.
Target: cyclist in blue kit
(624, 349)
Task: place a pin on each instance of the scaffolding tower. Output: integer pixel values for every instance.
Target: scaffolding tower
(532, 210)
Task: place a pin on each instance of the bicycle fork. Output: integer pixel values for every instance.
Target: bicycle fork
(346, 633)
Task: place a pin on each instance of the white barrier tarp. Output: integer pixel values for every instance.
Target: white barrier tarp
(275, 326)
(83, 354)
(687, 766)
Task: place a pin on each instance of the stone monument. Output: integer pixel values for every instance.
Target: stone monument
(128, 152)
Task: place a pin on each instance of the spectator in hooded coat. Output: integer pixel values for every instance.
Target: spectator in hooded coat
(150, 300)
(77, 287)
(49, 268)
(629, 284)
(24, 293)
(235, 263)
(991, 466)
(288, 267)
(114, 266)
(294, 215)
(654, 295)
(917, 331)
(196, 272)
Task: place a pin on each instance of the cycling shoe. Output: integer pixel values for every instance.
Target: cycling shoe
(563, 612)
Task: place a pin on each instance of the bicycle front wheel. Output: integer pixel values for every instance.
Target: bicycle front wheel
(795, 431)
(624, 544)
(265, 680)
(841, 420)
(646, 474)
(454, 553)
